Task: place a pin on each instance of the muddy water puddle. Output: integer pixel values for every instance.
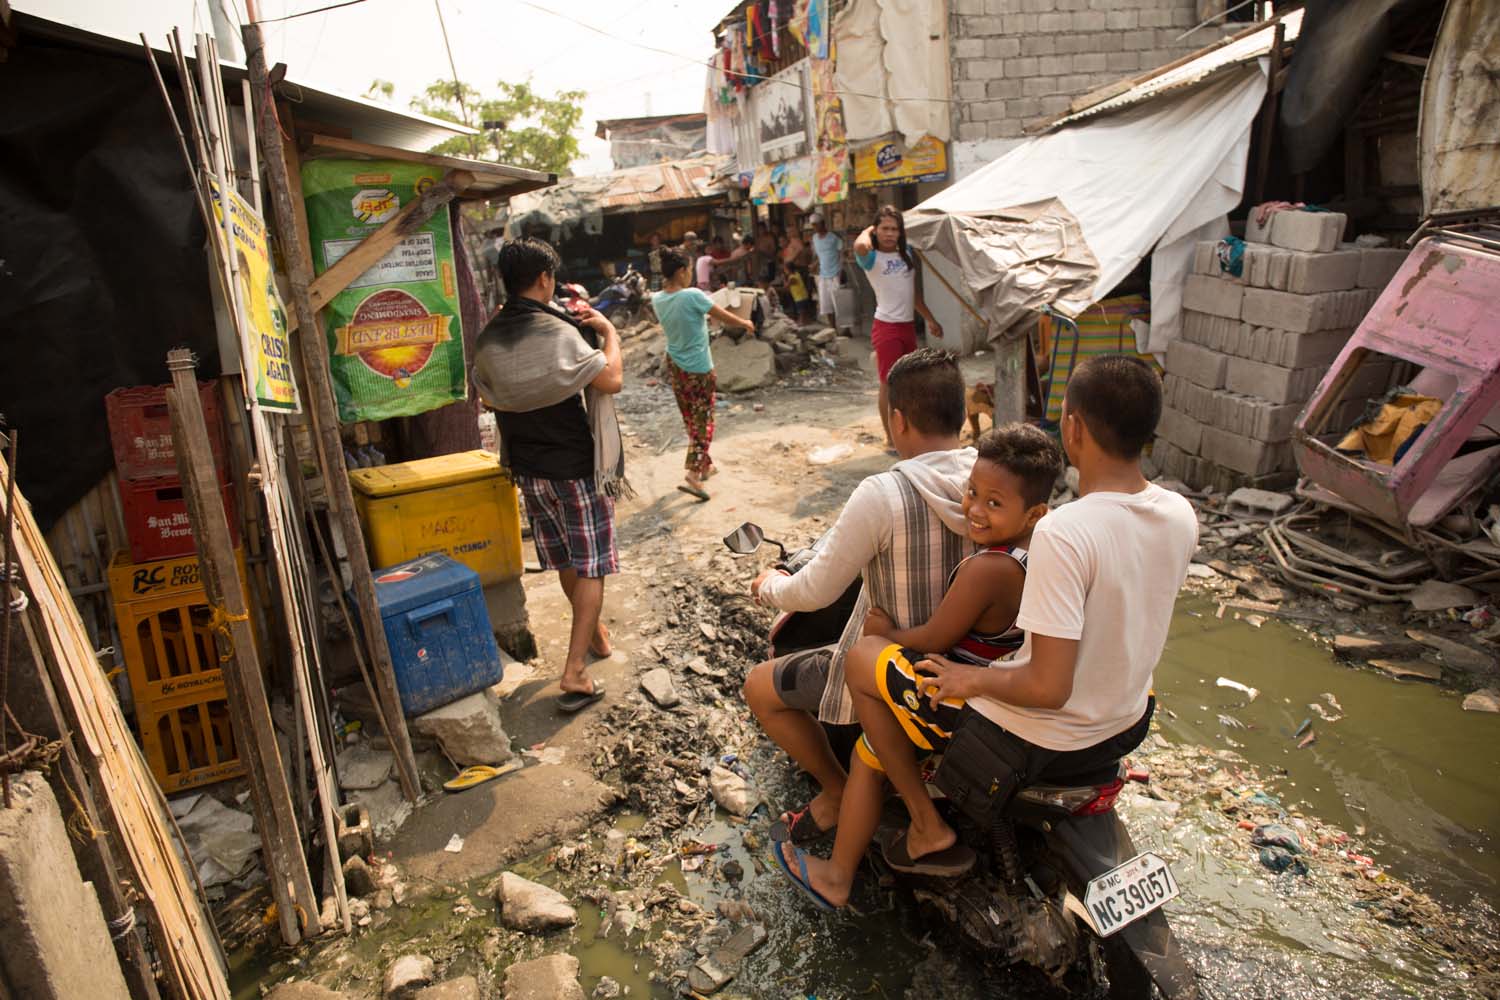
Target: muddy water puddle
(1404, 768)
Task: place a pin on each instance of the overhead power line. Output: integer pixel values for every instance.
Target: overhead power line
(708, 65)
(305, 13)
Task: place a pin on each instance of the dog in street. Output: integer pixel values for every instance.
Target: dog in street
(979, 399)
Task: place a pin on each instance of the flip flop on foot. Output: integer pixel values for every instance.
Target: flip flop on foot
(950, 862)
(694, 491)
(478, 774)
(800, 881)
(800, 828)
(570, 702)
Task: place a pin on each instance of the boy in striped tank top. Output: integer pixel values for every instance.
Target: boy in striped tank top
(975, 623)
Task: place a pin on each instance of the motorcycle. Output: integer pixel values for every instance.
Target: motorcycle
(1059, 886)
(625, 301)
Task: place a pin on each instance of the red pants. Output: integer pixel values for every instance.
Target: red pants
(695, 401)
(891, 341)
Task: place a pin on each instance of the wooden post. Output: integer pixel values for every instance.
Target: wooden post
(1011, 348)
(1268, 116)
(322, 411)
(276, 818)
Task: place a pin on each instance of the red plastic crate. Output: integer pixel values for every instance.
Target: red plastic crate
(156, 518)
(140, 430)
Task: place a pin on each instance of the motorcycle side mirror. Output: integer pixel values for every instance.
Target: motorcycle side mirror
(747, 538)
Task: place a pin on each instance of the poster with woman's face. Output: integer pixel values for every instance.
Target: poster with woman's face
(782, 114)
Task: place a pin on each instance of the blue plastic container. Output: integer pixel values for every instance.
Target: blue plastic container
(438, 630)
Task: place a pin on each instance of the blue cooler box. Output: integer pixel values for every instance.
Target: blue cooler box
(438, 630)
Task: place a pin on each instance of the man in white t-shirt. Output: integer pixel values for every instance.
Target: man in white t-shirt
(1102, 579)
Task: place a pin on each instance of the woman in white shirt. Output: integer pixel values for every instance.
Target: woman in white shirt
(881, 252)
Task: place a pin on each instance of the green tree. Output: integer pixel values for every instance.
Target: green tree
(519, 127)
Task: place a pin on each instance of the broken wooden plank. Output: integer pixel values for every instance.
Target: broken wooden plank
(1409, 669)
(1362, 648)
(1454, 653)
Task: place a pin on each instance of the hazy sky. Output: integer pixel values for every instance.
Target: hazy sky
(399, 40)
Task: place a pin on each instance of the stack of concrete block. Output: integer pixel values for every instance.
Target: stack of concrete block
(1254, 347)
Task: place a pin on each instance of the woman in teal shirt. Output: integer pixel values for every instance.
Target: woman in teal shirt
(683, 311)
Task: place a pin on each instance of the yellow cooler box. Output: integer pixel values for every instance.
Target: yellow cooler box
(461, 505)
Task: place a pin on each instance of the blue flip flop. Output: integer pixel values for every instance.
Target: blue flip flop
(801, 883)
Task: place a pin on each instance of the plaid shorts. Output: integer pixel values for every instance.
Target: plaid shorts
(572, 524)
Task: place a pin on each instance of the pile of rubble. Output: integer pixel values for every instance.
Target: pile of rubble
(1257, 341)
(780, 348)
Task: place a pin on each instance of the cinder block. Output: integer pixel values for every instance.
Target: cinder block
(1180, 429)
(1206, 257)
(1271, 382)
(1254, 231)
(1378, 265)
(1217, 296)
(1207, 330)
(1297, 230)
(1196, 363)
(1197, 402)
(1290, 311)
(1308, 273)
(1251, 416)
(1251, 456)
(1302, 350)
(1170, 460)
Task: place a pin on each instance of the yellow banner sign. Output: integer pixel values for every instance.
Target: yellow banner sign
(263, 323)
(890, 161)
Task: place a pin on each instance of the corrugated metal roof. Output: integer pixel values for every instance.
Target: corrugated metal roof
(656, 184)
(1246, 47)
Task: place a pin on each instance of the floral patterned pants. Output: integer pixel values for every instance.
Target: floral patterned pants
(695, 401)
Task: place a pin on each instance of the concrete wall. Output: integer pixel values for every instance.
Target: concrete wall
(55, 945)
(1017, 60)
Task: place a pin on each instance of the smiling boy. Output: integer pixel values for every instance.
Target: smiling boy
(975, 623)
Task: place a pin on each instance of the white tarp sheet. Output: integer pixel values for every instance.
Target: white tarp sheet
(1162, 175)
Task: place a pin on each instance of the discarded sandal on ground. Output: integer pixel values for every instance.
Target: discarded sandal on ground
(951, 862)
(695, 491)
(802, 828)
(570, 702)
(478, 774)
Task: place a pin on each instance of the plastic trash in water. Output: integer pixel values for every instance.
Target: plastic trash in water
(1248, 691)
(1277, 835)
(1279, 859)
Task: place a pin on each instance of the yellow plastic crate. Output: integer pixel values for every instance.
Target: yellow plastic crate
(189, 743)
(462, 505)
(162, 615)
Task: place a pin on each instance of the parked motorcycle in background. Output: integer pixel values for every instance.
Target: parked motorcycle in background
(625, 302)
(1059, 886)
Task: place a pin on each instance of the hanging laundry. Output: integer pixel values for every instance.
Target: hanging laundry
(775, 30)
(796, 22)
(818, 34)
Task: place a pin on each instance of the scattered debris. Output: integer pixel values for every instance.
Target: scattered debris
(1308, 740)
(657, 683)
(1483, 700)
(731, 791)
(531, 906)
(1230, 722)
(1249, 692)
(407, 975)
(1404, 669)
(1455, 654)
(455, 844)
(1435, 595)
(830, 453)
(468, 730)
(554, 977)
(712, 972)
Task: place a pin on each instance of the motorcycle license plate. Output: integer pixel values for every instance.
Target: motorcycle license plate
(1126, 893)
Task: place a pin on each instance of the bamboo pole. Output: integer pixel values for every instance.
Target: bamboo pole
(321, 408)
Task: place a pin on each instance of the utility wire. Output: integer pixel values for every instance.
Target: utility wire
(709, 65)
(304, 13)
(458, 87)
